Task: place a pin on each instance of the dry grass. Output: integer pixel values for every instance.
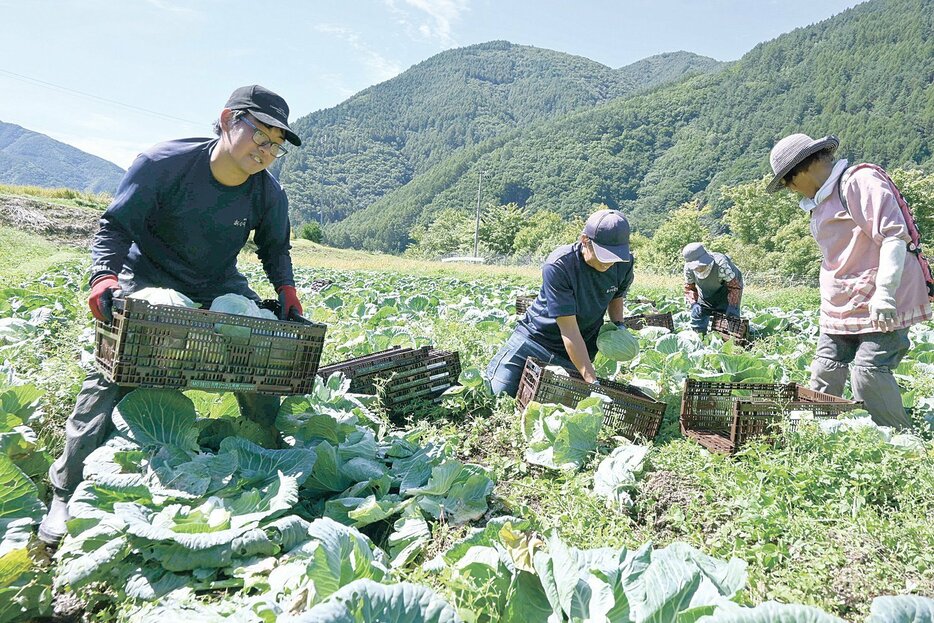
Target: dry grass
(64, 196)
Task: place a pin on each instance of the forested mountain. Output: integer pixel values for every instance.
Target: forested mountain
(866, 75)
(386, 135)
(31, 159)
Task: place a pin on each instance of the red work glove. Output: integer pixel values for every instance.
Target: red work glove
(288, 300)
(102, 297)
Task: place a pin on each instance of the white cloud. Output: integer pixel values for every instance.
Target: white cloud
(96, 122)
(121, 153)
(380, 67)
(441, 16)
(114, 139)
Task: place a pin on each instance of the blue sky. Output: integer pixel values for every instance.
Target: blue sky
(115, 76)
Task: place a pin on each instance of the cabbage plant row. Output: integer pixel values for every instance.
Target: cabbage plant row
(183, 516)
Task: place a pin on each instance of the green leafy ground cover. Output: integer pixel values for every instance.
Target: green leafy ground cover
(362, 517)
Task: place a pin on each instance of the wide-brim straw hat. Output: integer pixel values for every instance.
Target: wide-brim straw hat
(791, 150)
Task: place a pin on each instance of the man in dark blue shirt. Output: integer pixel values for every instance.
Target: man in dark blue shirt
(180, 217)
(581, 283)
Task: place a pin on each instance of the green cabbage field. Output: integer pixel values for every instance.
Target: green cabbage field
(464, 510)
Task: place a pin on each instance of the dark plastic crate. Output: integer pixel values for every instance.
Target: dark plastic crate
(641, 321)
(365, 370)
(182, 348)
(631, 413)
(523, 302)
(319, 284)
(731, 328)
(723, 416)
(400, 376)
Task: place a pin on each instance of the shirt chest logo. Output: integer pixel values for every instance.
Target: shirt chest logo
(240, 222)
(609, 290)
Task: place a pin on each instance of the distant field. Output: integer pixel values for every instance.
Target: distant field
(60, 196)
(25, 253)
(310, 255)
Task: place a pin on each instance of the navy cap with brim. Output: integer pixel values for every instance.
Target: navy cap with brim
(608, 231)
(611, 254)
(267, 107)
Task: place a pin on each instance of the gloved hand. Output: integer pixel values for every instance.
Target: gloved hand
(101, 299)
(288, 300)
(732, 310)
(696, 311)
(882, 312)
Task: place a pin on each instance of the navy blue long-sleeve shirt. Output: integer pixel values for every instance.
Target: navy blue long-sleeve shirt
(172, 225)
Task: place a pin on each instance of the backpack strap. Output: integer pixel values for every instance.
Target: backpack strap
(914, 246)
(848, 173)
(844, 178)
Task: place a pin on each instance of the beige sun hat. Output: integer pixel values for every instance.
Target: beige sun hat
(791, 150)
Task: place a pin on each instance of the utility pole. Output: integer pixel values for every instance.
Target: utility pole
(476, 231)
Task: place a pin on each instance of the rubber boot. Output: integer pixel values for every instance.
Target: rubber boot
(52, 529)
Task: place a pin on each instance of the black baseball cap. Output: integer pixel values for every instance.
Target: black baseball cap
(266, 106)
(608, 230)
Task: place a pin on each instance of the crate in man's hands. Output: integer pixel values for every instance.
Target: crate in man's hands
(172, 347)
(723, 416)
(629, 413)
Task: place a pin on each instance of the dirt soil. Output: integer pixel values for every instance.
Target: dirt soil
(662, 490)
(62, 224)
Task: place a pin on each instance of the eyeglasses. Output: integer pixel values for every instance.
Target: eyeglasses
(262, 139)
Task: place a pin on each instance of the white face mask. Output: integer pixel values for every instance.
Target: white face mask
(703, 272)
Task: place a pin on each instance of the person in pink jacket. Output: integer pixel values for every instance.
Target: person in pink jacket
(871, 289)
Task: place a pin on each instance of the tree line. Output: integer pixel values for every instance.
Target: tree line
(766, 234)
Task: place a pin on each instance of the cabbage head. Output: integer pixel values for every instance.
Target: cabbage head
(616, 343)
(163, 296)
(241, 306)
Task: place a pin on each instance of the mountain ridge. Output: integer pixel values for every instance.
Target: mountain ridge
(386, 135)
(30, 158)
(856, 75)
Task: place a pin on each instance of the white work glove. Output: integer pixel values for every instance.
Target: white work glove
(882, 312)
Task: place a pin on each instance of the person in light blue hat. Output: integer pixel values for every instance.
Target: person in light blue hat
(712, 283)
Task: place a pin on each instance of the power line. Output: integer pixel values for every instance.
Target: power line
(50, 85)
